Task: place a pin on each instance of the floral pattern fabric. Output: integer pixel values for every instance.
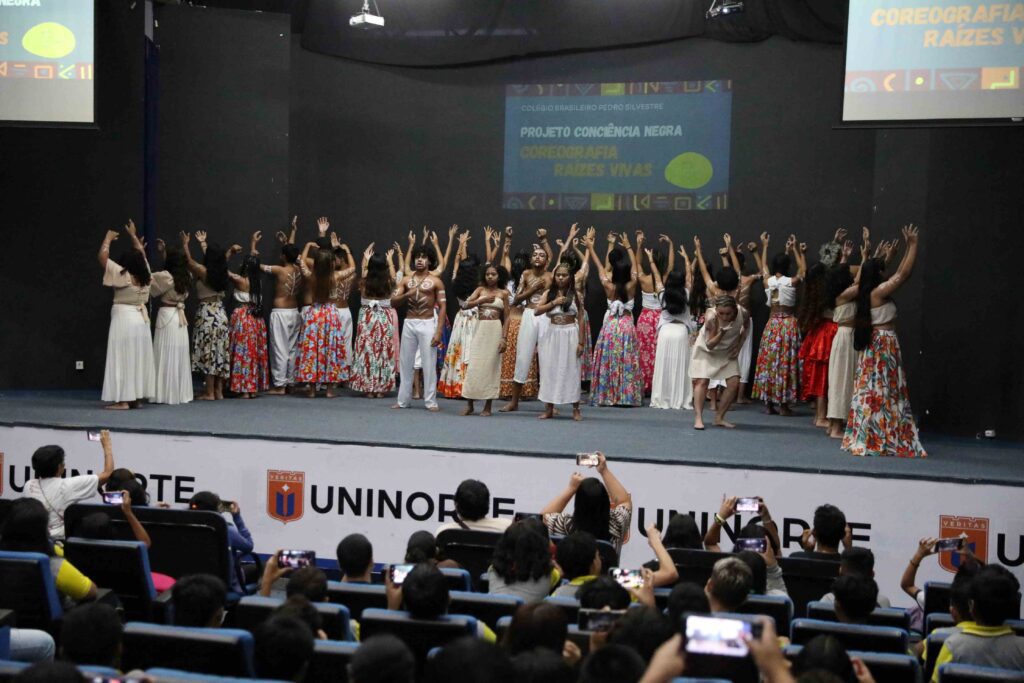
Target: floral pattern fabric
(647, 344)
(456, 358)
(211, 344)
(880, 422)
(508, 365)
(777, 377)
(617, 379)
(321, 358)
(248, 352)
(375, 363)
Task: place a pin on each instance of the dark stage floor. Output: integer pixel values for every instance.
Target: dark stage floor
(646, 434)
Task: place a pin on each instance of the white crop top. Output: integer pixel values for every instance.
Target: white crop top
(780, 291)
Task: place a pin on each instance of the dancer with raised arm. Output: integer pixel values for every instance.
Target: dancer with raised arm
(672, 387)
(647, 323)
(211, 344)
(814, 316)
(465, 280)
(420, 290)
(374, 366)
(170, 337)
(561, 345)
(321, 358)
(842, 360)
(483, 372)
(129, 375)
(341, 292)
(285, 319)
(534, 282)
(248, 329)
(881, 422)
(714, 357)
(519, 264)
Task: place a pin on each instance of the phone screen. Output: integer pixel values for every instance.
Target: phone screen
(399, 572)
(93, 435)
(948, 544)
(587, 459)
(598, 620)
(627, 578)
(521, 516)
(225, 505)
(717, 636)
(113, 497)
(748, 505)
(296, 559)
(758, 545)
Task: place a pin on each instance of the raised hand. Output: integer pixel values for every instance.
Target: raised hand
(463, 238)
(751, 247)
(847, 248)
(257, 236)
(650, 255)
(696, 243)
(200, 236)
(911, 234)
(295, 222)
(764, 239)
(426, 234)
(112, 235)
(396, 247)
(335, 242)
(281, 237)
(727, 238)
(412, 237)
(612, 237)
(639, 236)
(682, 252)
(542, 233)
(322, 224)
(452, 230)
(130, 228)
(433, 239)
(368, 252)
(803, 247)
(624, 239)
(666, 239)
(185, 238)
(723, 251)
(389, 254)
(590, 235)
(865, 234)
(160, 245)
(508, 231)
(839, 236)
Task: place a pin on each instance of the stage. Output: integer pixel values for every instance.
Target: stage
(760, 442)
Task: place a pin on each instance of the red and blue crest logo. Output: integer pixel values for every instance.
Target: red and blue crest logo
(285, 495)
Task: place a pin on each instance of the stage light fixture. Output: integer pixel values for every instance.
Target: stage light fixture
(721, 8)
(367, 19)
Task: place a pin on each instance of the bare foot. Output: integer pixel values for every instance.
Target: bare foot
(785, 411)
(743, 401)
(577, 416)
(276, 391)
(417, 397)
(331, 393)
(468, 410)
(723, 423)
(397, 407)
(698, 423)
(434, 409)
(509, 408)
(122, 405)
(835, 436)
(485, 413)
(205, 397)
(220, 395)
(546, 415)
(821, 422)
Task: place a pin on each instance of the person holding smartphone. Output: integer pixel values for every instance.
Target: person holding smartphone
(602, 509)
(239, 539)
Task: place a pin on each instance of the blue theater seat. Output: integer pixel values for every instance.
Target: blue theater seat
(881, 616)
(29, 591)
(807, 580)
(694, 566)
(177, 676)
(330, 661)
(357, 596)
(253, 610)
(571, 606)
(853, 636)
(486, 608)
(419, 634)
(885, 668)
(122, 567)
(965, 673)
(472, 549)
(219, 651)
(778, 607)
(458, 579)
(932, 646)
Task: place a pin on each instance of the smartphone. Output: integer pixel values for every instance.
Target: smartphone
(748, 504)
(758, 545)
(627, 578)
(522, 516)
(587, 459)
(398, 572)
(93, 435)
(225, 506)
(949, 544)
(296, 559)
(113, 497)
(718, 635)
(598, 620)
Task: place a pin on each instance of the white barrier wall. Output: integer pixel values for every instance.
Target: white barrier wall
(309, 495)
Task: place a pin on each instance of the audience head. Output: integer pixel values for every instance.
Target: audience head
(603, 592)
(683, 532)
(591, 508)
(198, 600)
(857, 560)
(95, 526)
(993, 595)
(686, 597)
(310, 582)
(960, 592)
(425, 592)
(26, 528)
(537, 625)
(355, 557)
(541, 666)
(48, 461)
(283, 648)
(422, 547)
(729, 584)
(612, 664)
(136, 493)
(643, 629)
(207, 501)
(829, 527)
(758, 571)
(470, 659)
(824, 653)
(118, 476)
(521, 554)
(577, 556)
(382, 659)
(91, 634)
(299, 607)
(50, 672)
(472, 500)
(856, 598)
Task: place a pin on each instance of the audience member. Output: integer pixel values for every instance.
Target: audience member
(686, 598)
(299, 607)
(729, 584)
(522, 565)
(283, 646)
(665, 572)
(603, 592)
(198, 600)
(855, 598)
(968, 565)
(986, 640)
(601, 509)
(860, 562)
(682, 532)
(821, 541)
(355, 559)
(541, 666)
(50, 672)
(472, 505)
(540, 625)
(309, 582)
(578, 561)
(824, 653)
(643, 629)
(382, 659)
(239, 539)
(425, 596)
(55, 491)
(612, 664)
(91, 634)
(469, 659)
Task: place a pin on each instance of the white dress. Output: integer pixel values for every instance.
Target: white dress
(671, 387)
(129, 373)
(170, 343)
(559, 361)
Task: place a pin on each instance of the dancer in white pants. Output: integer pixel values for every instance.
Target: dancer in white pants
(535, 283)
(285, 319)
(421, 291)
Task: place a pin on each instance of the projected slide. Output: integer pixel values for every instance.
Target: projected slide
(934, 60)
(661, 146)
(46, 61)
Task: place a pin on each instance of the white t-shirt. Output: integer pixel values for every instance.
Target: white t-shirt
(56, 494)
(496, 524)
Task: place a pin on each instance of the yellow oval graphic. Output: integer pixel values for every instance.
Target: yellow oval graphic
(689, 171)
(50, 40)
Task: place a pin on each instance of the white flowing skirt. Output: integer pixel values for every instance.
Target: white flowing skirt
(171, 352)
(671, 387)
(129, 373)
(559, 364)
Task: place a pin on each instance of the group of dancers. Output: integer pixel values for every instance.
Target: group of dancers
(521, 329)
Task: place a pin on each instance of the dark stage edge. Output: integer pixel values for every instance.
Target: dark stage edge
(760, 442)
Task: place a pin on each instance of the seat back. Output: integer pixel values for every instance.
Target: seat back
(807, 580)
(330, 661)
(9, 669)
(486, 608)
(121, 566)
(253, 610)
(357, 596)
(28, 589)
(880, 616)
(163, 675)
(419, 634)
(966, 673)
(609, 555)
(853, 636)
(694, 566)
(219, 651)
(183, 541)
(936, 596)
(778, 607)
(885, 668)
(472, 549)
(937, 620)
(457, 579)
(932, 646)
(571, 606)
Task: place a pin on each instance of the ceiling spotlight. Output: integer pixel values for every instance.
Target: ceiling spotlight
(367, 19)
(721, 8)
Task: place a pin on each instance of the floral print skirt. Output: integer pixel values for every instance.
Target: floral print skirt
(456, 358)
(880, 421)
(777, 377)
(647, 343)
(374, 366)
(211, 343)
(321, 357)
(248, 352)
(617, 377)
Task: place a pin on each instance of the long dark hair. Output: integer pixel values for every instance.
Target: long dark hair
(378, 282)
(251, 271)
(837, 280)
(683, 532)
(698, 302)
(521, 554)
(323, 276)
(621, 271)
(570, 297)
(814, 299)
(781, 263)
(591, 510)
(727, 279)
(134, 263)
(872, 272)
(176, 264)
(216, 264)
(674, 297)
(499, 269)
(466, 279)
(520, 262)
(26, 528)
